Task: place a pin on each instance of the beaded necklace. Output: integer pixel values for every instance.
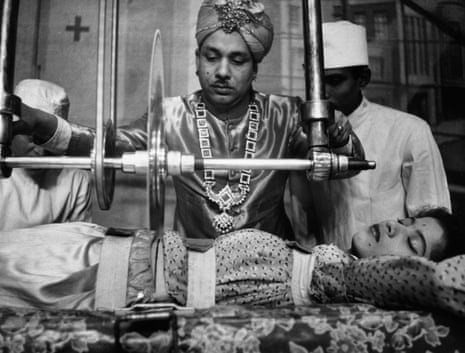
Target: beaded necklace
(226, 198)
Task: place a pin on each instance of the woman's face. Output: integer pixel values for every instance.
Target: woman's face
(409, 236)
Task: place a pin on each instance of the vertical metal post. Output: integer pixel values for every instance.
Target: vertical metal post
(9, 104)
(105, 125)
(315, 112)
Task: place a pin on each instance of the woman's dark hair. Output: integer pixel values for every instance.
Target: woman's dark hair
(454, 232)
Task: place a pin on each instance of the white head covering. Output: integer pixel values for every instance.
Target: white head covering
(43, 95)
(344, 45)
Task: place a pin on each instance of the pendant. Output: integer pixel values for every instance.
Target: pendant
(226, 198)
(223, 223)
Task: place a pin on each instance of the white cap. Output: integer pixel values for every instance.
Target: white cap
(344, 45)
(43, 95)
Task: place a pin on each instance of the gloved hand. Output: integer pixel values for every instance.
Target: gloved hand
(31, 121)
(42, 103)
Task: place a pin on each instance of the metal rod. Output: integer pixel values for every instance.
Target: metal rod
(313, 44)
(114, 61)
(101, 49)
(57, 162)
(315, 111)
(9, 19)
(255, 164)
(127, 162)
(8, 45)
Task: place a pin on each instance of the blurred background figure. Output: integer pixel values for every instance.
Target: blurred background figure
(38, 196)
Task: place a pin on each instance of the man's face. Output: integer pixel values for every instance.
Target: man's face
(404, 237)
(225, 68)
(343, 89)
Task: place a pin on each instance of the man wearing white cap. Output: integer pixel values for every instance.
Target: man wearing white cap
(409, 171)
(39, 196)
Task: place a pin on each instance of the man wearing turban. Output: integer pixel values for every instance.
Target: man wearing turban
(247, 18)
(227, 118)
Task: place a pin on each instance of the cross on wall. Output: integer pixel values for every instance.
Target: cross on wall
(77, 28)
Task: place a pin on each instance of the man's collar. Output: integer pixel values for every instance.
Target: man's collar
(362, 106)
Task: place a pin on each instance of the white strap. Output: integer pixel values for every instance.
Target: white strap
(302, 271)
(201, 278)
(112, 274)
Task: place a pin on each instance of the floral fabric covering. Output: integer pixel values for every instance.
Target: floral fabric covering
(27, 330)
(334, 328)
(318, 329)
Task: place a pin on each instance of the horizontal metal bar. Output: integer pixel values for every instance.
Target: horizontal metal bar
(55, 162)
(255, 164)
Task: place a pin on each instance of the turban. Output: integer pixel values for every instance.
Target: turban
(345, 44)
(247, 17)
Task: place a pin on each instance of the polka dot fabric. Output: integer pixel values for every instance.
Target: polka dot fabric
(408, 282)
(253, 267)
(328, 284)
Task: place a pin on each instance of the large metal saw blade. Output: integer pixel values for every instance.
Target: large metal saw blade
(156, 148)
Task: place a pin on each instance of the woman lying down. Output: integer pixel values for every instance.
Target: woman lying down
(408, 263)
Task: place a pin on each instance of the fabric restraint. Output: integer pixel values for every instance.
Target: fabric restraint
(201, 276)
(112, 274)
(302, 271)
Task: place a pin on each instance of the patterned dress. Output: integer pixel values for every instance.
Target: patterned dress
(55, 267)
(255, 267)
